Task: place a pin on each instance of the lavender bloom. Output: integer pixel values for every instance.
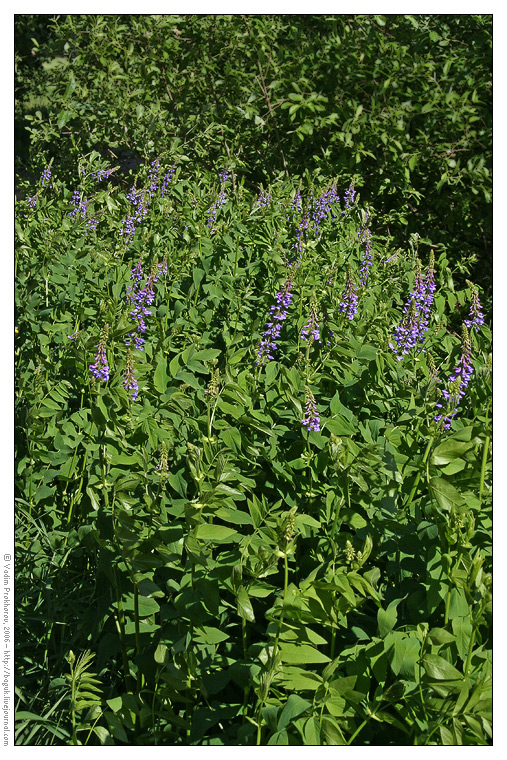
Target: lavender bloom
(322, 207)
(416, 312)
(348, 304)
(364, 235)
(311, 419)
(166, 179)
(100, 175)
(311, 328)
(220, 201)
(129, 382)
(46, 176)
(476, 315)
(350, 196)
(141, 297)
(263, 200)
(297, 203)
(140, 201)
(407, 333)
(153, 177)
(457, 383)
(278, 313)
(100, 368)
(80, 205)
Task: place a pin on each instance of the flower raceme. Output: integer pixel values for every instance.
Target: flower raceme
(416, 312)
(311, 419)
(129, 381)
(311, 330)
(219, 202)
(100, 367)
(348, 304)
(140, 200)
(457, 383)
(278, 314)
(140, 298)
(476, 317)
(364, 236)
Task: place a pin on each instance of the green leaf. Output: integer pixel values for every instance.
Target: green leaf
(293, 707)
(449, 450)
(338, 426)
(298, 654)
(160, 378)
(209, 635)
(458, 605)
(441, 636)
(299, 679)
(404, 656)
(439, 669)
(245, 609)
(280, 737)
(219, 533)
(311, 732)
(445, 493)
(462, 629)
(271, 370)
(386, 619)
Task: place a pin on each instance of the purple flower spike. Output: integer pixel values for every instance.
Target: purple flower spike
(129, 382)
(364, 236)
(350, 196)
(100, 368)
(311, 330)
(416, 313)
(476, 315)
(220, 201)
(311, 419)
(457, 383)
(348, 304)
(278, 314)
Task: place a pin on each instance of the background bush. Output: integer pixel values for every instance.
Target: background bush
(402, 103)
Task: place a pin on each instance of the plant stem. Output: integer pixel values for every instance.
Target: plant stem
(485, 452)
(418, 477)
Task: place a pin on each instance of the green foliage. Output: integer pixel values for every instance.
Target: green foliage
(403, 103)
(229, 575)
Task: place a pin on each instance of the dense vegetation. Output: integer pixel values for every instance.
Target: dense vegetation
(253, 380)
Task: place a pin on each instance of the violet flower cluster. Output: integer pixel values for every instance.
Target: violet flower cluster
(348, 304)
(263, 200)
(311, 419)
(278, 314)
(300, 220)
(457, 383)
(140, 202)
(45, 178)
(81, 206)
(219, 202)
(364, 236)
(476, 316)
(141, 297)
(416, 312)
(311, 330)
(350, 196)
(141, 199)
(129, 381)
(100, 367)
(166, 179)
(322, 208)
